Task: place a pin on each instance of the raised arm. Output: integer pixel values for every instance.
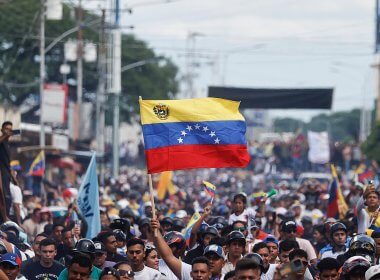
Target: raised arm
(197, 225)
(164, 250)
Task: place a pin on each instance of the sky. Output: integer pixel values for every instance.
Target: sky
(266, 43)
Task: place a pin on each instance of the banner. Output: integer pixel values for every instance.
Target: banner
(88, 199)
(319, 149)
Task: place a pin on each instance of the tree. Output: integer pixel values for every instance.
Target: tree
(371, 147)
(342, 126)
(19, 56)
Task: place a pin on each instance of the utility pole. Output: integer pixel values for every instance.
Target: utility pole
(42, 72)
(115, 88)
(100, 96)
(79, 65)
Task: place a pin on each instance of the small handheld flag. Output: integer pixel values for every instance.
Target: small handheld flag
(210, 189)
(37, 168)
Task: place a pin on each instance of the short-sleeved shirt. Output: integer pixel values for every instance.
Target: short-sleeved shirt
(185, 271)
(247, 213)
(147, 273)
(16, 195)
(35, 271)
(306, 246)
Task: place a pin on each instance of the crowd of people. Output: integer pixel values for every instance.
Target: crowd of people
(241, 233)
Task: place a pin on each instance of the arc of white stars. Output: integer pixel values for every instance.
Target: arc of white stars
(205, 128)
(183, 133)
(217, 140)
(189, 128)
(212, 133)
(180, 140)
(197, 126)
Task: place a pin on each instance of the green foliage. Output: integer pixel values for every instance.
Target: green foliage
(19, 52)
(371, 147)
(342, 126)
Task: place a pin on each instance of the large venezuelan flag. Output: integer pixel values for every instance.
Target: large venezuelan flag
(193, 133)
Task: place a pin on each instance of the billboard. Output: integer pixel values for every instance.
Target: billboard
(54, 106)
(276, 98)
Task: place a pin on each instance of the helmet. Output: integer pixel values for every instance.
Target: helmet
(337, 226)
(85, 246)
(174, 237)
(9, 225)
(178, 224)
(242, 196)
(236, 235)
(122, 224)
(127, 212)
(120, 235)
(356, 262)
(167, 220)
(211, 230)
(362, 243)
(256, 258)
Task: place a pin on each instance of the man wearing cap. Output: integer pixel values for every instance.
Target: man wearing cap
(368, 208)
(101, 255)
(235, 246)
(215, 255)
(206, 236)
(272, 244)
(252, 238)
(10, 264)
(288, 231)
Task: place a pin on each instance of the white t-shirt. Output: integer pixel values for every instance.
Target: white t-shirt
(147, 273)
(306, 246)
(16, 195)
(185, 271)
(270, 273)
(250, 212)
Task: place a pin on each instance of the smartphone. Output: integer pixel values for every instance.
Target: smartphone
(291, 267)
(16, 131)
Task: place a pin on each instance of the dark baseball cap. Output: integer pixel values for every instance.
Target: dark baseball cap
(99, 247)
(286, 225)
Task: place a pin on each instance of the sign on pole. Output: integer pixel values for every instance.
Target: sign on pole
(54, 103)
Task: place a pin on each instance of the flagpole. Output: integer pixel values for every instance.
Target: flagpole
(151, 195)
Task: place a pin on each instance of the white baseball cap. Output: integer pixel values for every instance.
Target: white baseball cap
(372, 271)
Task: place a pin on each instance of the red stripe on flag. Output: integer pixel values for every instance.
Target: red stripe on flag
(196, 156)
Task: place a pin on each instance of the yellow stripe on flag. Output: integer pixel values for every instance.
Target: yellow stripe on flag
(191, 110)
(342, 205)
(165, 184)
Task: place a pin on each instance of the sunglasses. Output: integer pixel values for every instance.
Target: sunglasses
(240, 228)
(128, 273)
(111, 271)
